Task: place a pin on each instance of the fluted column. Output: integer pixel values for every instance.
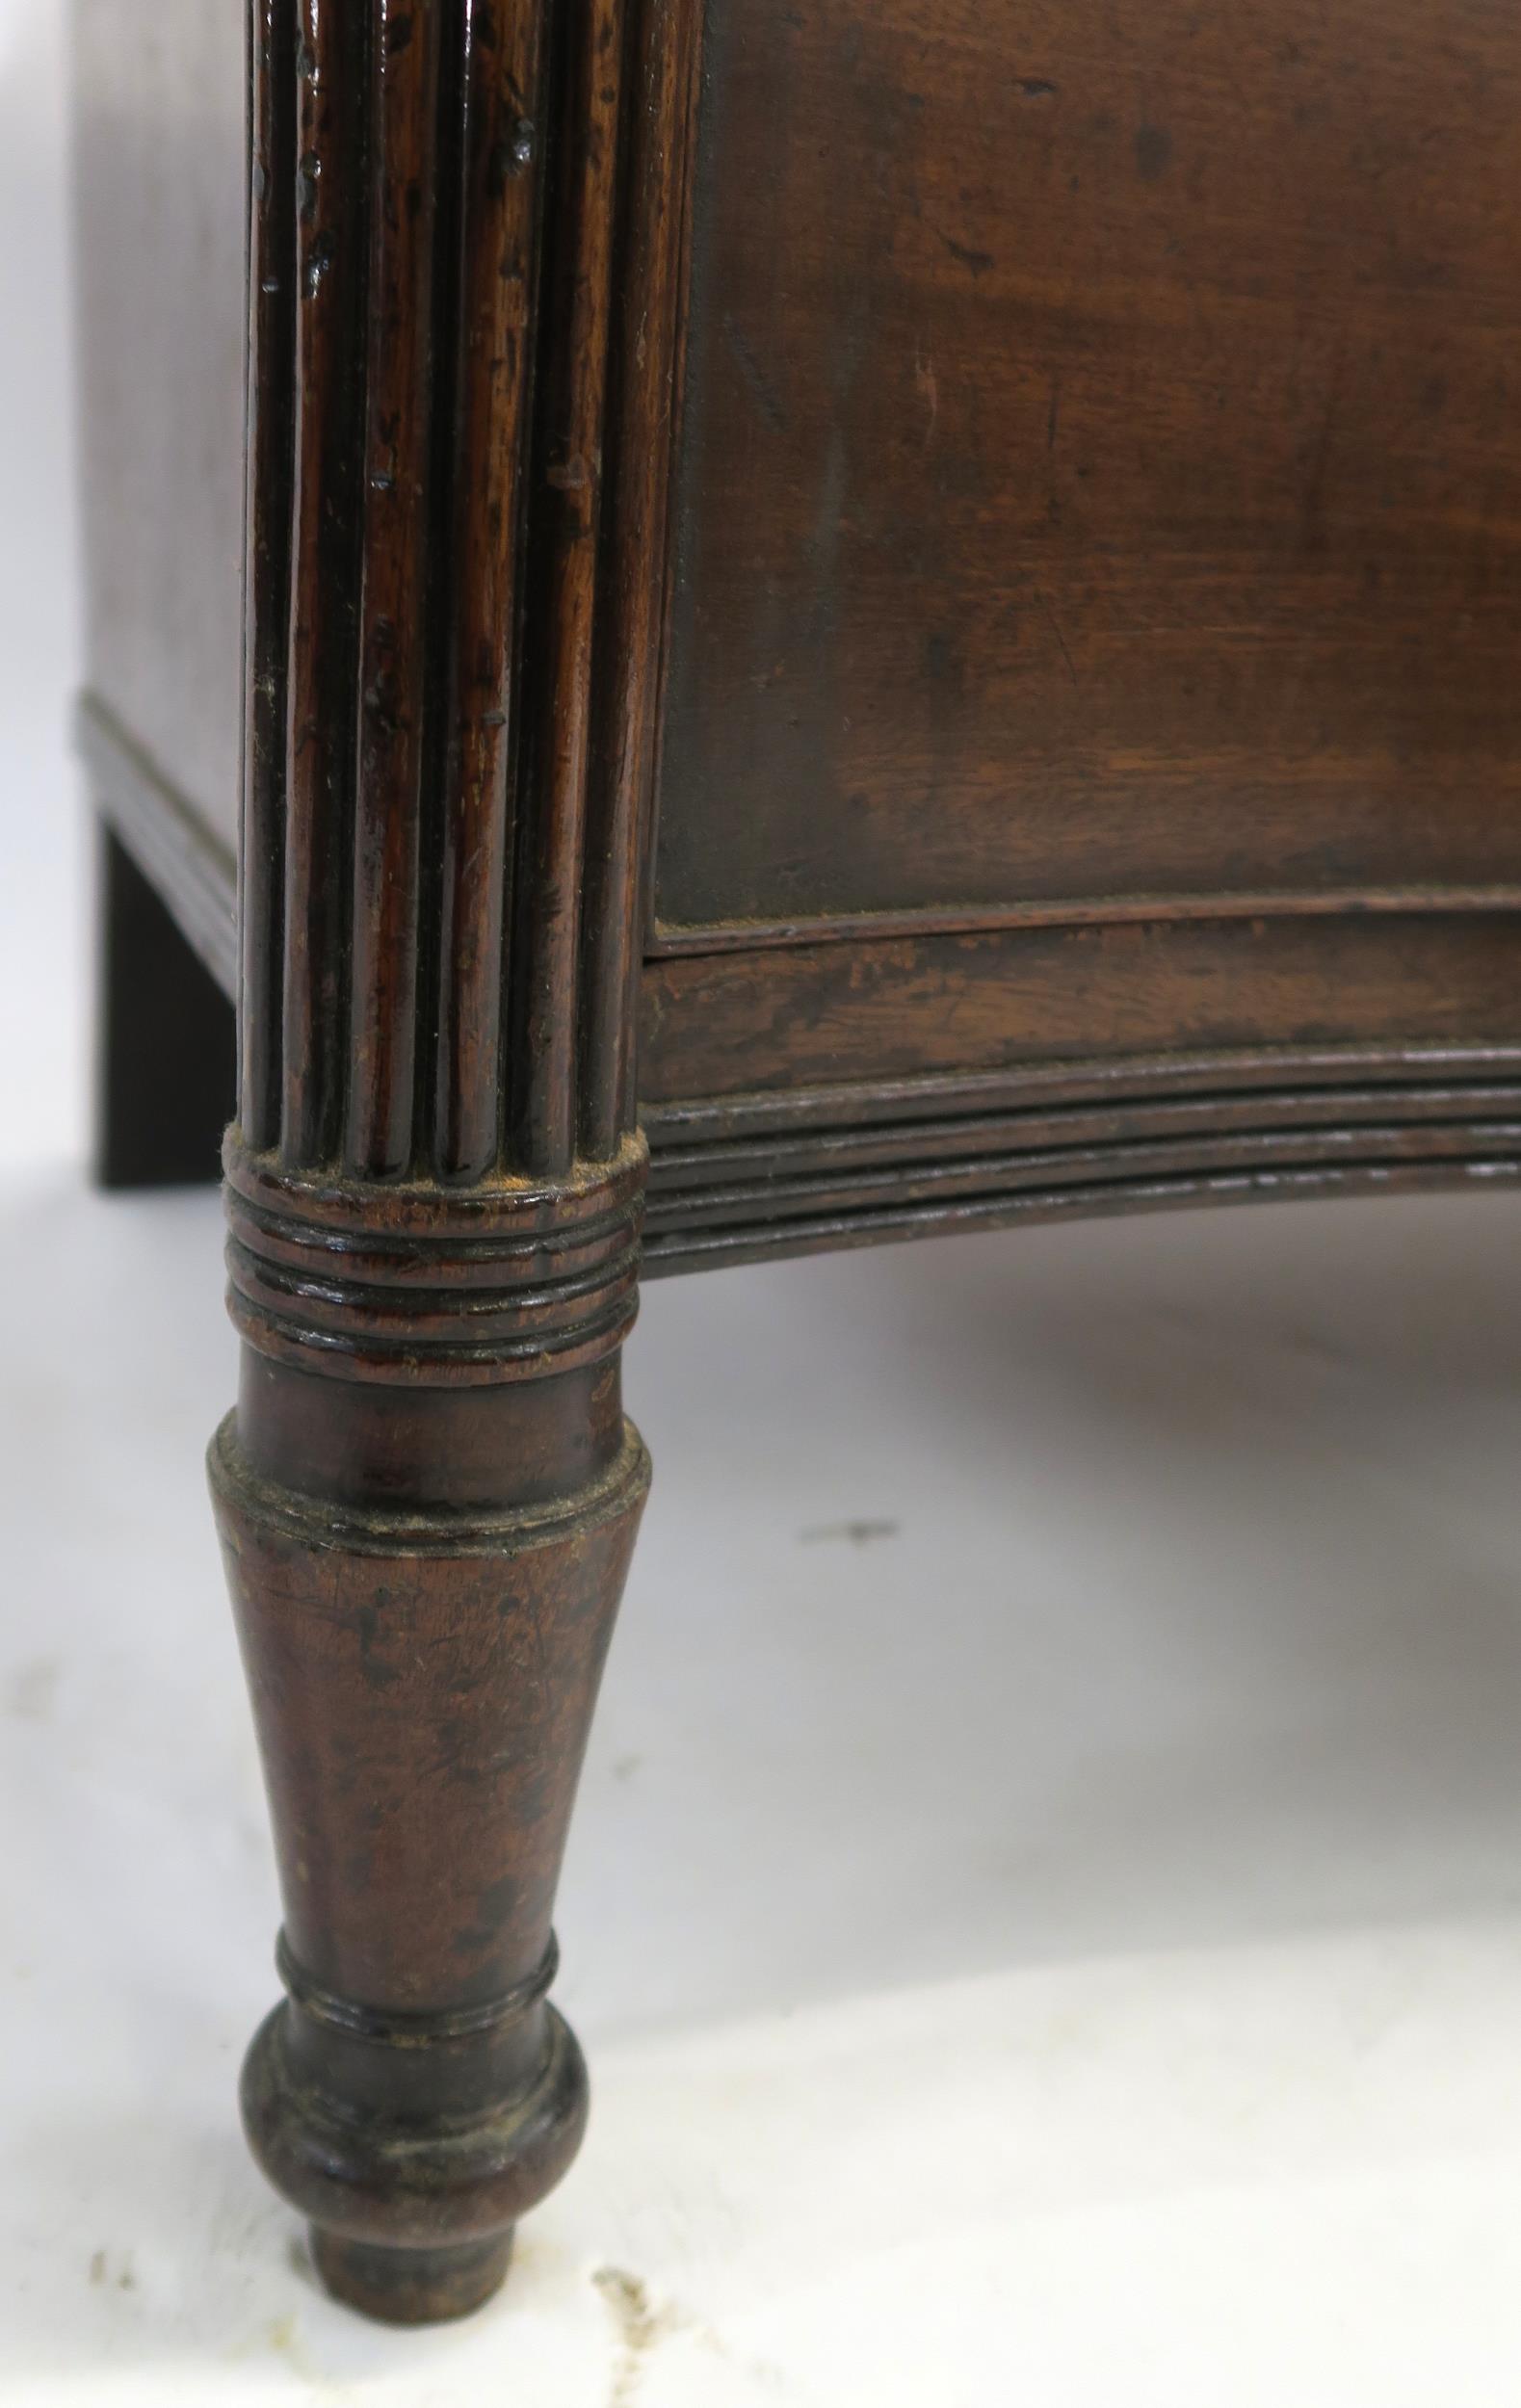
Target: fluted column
(464, 273)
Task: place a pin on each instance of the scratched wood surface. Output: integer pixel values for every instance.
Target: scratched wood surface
(770, 1021)
(1099, 473)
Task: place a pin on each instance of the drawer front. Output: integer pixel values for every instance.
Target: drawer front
(1098, 476)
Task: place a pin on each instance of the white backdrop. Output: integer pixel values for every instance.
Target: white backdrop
(42, 1075)
(1064, 1948)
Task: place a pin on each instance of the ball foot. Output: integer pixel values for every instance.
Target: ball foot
(412, 2286)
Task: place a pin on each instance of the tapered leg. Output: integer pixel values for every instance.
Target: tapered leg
(425, 1580)
(165, 1061)
(462, 294)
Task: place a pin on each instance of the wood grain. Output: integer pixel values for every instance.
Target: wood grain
(1098, 473)
(427, 1494)
(461, 333)
(1034, 494)
(727, 1023)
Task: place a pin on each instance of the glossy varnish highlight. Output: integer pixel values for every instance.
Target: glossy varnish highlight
(440, 302)
(427, 1494)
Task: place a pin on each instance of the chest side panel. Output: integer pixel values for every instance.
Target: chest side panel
(1097, 478)
(159, 103)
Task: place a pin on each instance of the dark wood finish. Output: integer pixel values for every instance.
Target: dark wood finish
(965, 1046)
(188, 867)
(908, 607)
(1097, 476)
(801, 1165)
(1362, 548)
(804, 1165)
(429, 1492)
(736, 1181)
(895, 1006)
(427, 1500)
(165, 1053)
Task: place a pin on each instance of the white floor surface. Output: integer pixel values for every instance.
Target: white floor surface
(1045, 1907)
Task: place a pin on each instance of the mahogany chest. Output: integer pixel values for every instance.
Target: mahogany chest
(810, 621)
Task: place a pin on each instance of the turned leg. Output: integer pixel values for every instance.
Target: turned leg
(425, 1579)
(165, 1060)
(428, 1493)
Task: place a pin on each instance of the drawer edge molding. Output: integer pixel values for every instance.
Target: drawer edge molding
(185, 863)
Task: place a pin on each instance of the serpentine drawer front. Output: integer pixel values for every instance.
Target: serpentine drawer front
(817, 622)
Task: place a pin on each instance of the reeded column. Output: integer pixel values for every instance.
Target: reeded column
(463, 299)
